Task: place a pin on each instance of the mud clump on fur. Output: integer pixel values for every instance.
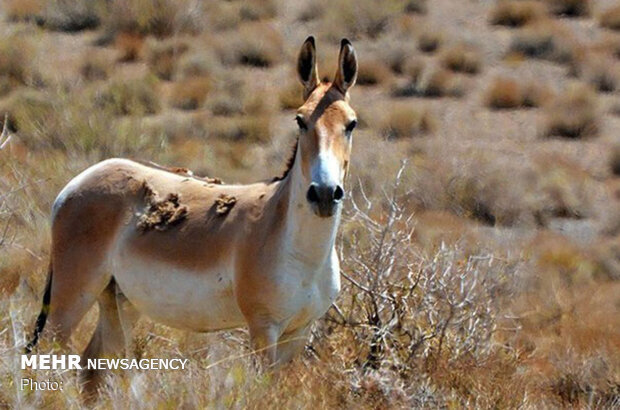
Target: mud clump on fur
(159, 214)
(224, 203)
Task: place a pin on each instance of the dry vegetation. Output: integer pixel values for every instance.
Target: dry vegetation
(483, 273)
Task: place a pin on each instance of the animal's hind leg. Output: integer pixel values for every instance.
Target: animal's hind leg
(107, 341)
(128, 316)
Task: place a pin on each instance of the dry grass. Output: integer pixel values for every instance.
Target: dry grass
(290, 96)
(255, 45)
(416, 6)
(441, 83)
(162, 57)
(517, 13)
(462, 58)
(129, 46)
(406, 121)
(361, 18)
(373, 72)
(95, 66)
(545, 40)
(253, 10)
(599, 71)
(610, 18)
(190, 93)
(130, 96)
(570, 8)
(72, 15)
(614, 160)
(430, 41)
(507, 93)
(23, 10)
(573, 114)
(15, 65)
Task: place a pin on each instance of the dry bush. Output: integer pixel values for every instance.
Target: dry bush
(358, 19)
(256, 45)
(190, 93)
(614, 160)
(253, 10)
(462, 58)
(610, 18)
(413, 70)
(162, 57)
(16, 69)
(311, 11)
(570, 8)
(197, 64)
(124, 96)
(441, 83)
(72, 15)
(573, 114)
(517, 13)
(547, 41)
(160, 18)
(507, 93)
(373, 72)
(599, 71)
(430, 41)
(23, 10)
(95, 66)
(290, 96)
(129, 46)
(416, 6)
(405, 121)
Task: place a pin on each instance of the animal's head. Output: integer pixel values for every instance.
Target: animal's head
(326, 122)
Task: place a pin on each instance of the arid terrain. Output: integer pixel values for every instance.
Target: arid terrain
(480, 245)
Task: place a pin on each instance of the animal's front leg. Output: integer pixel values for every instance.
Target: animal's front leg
(290, 344)
(264, 338)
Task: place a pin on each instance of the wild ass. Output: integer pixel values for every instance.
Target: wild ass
(196, 254)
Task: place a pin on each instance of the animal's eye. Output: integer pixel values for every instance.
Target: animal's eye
(301, 123)
(351, 126)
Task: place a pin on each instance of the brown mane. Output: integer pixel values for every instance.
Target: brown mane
(290, 162)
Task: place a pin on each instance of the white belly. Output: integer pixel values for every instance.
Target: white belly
(198, 301)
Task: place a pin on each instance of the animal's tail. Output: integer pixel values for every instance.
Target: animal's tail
(38, 327)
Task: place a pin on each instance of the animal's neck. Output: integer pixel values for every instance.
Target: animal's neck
(309, 238)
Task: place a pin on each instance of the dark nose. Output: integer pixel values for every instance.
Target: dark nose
(325, 197)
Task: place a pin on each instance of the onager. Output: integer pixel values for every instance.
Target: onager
(196, 254)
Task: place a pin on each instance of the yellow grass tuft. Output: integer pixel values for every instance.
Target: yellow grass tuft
(545, 40)
(430, 41)
(570, 8)
(462, 58)
(406, 121)
(573, 114)
(610, 18)
(190, 93)
(162, 57)
(506, 93)
(517, 13)
(130, 96)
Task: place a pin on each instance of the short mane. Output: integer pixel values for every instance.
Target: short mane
(289, 163)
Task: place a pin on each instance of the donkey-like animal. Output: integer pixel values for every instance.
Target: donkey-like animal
(195, 254)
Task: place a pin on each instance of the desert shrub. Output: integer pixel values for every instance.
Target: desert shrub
(129, 46)
(441, 83)
(600, 72)
(72, 15)
(430, 41)
(15, 63)
(573, 114)
(546, 41)
(610, 18)
(412, 70)
(311, 11)
(253, 10)
(372, 72)
(23, 10)
(516, 13)
(462, 58)
(95, 66)
(161, 18)
(416, 6)
(614, 160)
(570, 8)
(405, 121)
(197, 64)
(129, 96)
(506, 93)
(256, 45)
(162, 57)
(290, 96)
(357, 19)
(190, 93)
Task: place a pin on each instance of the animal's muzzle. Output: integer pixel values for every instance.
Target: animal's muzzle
(324, 199)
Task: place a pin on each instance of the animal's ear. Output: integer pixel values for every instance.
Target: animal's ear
(306, 66)
(347, 67)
